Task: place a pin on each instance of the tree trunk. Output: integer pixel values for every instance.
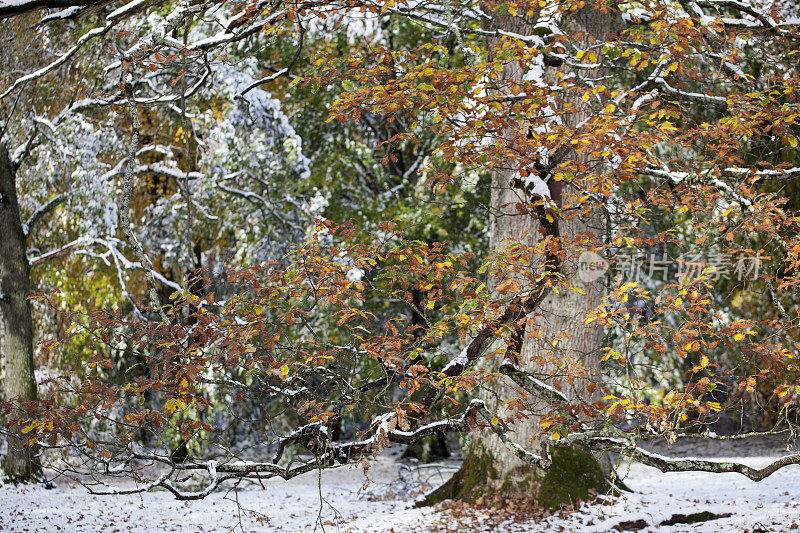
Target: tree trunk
(16, 325)
(565, 342)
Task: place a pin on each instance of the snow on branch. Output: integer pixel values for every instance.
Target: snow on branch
(747, 9)
(691, 95)
(313, 436)
(384, 430)
(112, 20)
(541, 461)
(83, 246)
(688, 464)
(64, 14)
(12, 8)
(58, 252)
(43, 210)
(161, 35)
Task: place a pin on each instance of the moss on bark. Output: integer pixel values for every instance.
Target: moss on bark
(470, 482)
(574, 475)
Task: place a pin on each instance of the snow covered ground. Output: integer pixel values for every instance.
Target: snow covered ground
(344, 500)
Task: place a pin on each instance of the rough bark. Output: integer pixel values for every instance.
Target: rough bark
(16, 325)
(13, 9)
(565, 345)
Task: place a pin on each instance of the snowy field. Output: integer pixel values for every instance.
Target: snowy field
(344, 500)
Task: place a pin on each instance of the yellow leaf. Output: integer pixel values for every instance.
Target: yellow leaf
(174, 404)
(284, 370)
(495, 421)
(738, 337)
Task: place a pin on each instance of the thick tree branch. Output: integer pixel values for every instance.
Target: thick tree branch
(12, 8)
(688, 464)
(57, 253)
(41, 212)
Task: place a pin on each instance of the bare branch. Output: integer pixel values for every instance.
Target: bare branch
(57, 253)
(10, 9)
(283, 71)
(43, 210)
(112, 20)
(688, 464)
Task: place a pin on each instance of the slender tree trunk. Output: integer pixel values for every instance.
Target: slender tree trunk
(16, 324)
(556, 342)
